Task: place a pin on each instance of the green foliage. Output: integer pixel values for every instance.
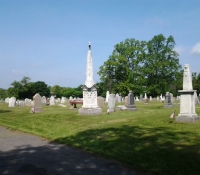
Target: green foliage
(25, 89)
(3, 93)
(152, 67)
(196, 82)
(67, 91)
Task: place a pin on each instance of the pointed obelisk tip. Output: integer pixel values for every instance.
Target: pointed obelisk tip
(89, 45)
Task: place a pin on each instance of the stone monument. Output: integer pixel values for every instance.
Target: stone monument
(187, 101)
(111, 103)
(37, 104)
(107, 96)
(12, 102)
(90, 106)
(168, 101)
(131, 104)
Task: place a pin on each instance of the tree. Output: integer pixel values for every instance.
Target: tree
(151, 67)
(123, 65)
(160, 65)
(38, 87)
(196, 82)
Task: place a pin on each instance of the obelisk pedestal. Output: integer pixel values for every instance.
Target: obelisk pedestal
(187, 101)
(90, 106)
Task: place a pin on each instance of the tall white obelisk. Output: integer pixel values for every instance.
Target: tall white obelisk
(187, 101)
(90, 106)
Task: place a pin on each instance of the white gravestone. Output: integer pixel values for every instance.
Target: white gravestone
(52, 100)
(107, 96)
(111, 103)
(12, 102)
(44, 100)
(37, 104)
(187, 101)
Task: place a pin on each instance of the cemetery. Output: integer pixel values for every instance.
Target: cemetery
(150, 134)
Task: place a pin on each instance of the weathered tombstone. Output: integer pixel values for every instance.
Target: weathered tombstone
(126, 101)
(100, 101)
(111, 103)
(12, 102)
(172, 98)
(21, 103)
(52, 100)
(145, 99)
(150, 98)
(137, 99)
(168, 101)
(27, 102)
(107, 96)
(44, 101)
(37, 104)
(119, 99)
(187, 102)
(7, 100)
(116, 97)
(131, 104)
(141, 97)
(58, 100)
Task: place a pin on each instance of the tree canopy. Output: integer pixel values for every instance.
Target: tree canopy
(142, 66)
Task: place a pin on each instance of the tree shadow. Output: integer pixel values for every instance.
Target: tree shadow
(155, 150)
(49, 158)
(5, 111)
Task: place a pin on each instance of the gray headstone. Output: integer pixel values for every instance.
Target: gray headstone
(131, 102)
(100, 102)
(111, 103)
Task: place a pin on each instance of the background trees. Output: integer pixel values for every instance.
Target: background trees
(141, 66)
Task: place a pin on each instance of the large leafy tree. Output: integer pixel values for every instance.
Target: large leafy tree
(160, 65)
(141, 66)
(123, 66)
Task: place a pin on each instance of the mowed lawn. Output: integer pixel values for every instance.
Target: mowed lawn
(144, 140)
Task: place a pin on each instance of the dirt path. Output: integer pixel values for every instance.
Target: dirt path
(25, 154)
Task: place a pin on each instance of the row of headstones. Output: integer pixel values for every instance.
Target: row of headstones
(12, 102)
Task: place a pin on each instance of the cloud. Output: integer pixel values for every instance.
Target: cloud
(181, 50)
(196, 49)
(17, 72)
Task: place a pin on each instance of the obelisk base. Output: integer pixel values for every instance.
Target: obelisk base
(187, 118)
(90, 111)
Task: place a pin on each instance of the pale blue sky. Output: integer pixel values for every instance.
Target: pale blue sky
(47, 40)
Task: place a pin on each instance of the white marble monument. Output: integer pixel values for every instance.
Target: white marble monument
(107, 96)
(187, 101)
(90, 106)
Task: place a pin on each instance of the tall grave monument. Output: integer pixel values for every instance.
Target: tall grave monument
(90, 106)
(187, 101)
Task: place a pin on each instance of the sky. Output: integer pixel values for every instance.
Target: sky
(47, 40)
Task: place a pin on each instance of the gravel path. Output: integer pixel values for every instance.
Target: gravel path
(26, 154)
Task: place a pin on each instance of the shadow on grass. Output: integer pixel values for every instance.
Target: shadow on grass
(156, 150)
(26, 154)
(5, 111)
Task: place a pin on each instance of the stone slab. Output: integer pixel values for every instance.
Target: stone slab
(187, 119)
(168, 106)
(90, 111)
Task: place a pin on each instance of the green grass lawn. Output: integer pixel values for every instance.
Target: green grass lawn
(144, 140)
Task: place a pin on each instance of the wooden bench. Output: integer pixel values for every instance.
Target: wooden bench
(74, 102)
